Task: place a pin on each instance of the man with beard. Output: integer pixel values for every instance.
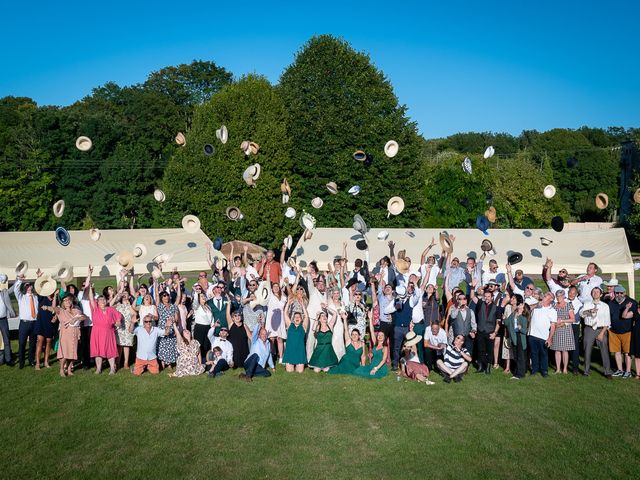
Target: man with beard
(488, 314)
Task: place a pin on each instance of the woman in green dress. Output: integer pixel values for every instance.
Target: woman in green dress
(354, 353)
(295, 355)
(324, 357)
(378, 366)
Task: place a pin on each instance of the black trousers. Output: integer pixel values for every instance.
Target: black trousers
(27, 331)
(221, 366)
(485, 349)
(430, 358)
(200, 334)
(521, 360)
(575, 354)
(84, 348)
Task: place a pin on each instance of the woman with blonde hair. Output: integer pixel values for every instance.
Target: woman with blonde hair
(70, 319)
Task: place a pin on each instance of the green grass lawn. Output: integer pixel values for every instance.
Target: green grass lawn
(316, 426)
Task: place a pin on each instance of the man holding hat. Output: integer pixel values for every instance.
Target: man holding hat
(597, 320)
(622, 310)
(6, 312)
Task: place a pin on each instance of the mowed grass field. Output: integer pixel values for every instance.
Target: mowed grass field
(293, 426)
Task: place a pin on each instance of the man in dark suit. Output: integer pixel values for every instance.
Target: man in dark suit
(218, 305)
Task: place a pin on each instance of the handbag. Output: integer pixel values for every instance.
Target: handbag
(351, 319)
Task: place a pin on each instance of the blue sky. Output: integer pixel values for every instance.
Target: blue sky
(499, 66)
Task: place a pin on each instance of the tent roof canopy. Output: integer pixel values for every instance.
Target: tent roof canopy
(41, 250)
(572, 250)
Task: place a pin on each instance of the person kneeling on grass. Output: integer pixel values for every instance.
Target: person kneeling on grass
(147, 339)
(410, 364)
(260, 354)
(456, 360)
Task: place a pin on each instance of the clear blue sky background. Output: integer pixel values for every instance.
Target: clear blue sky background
(501, 66)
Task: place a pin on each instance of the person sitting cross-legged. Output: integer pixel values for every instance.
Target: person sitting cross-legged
(456, 360)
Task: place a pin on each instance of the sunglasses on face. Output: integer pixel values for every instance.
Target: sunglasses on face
(147, 321)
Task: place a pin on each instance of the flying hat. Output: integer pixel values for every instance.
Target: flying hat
(209, 149)
(359, 225)
(191, 223)
(159, 195)
(22, 267)
(355, 190)
(557, 223)
(491, 214)
(234, 213)
(383, 235)
(486, 245)
(411, 339)
(180, 139)
(62, 236)
(217, 243)
(317, 202)
(94, 234)
(254, 148)
(359, 155)
(602, 200)
(549, 191)
(636, 196)
(139, 250)
(284, 187)
(545, 241)
(58, 208)
(288, 242)
(464, 202)
(45, 285)
(489, 152)
(251, 174)
(162, 258)
(292, 261)
(220, 263)
(402, 266)
(262, 296)
(125, 258)
(156, 272)
(84, 144)
(466, 165)
(572, 162)
(369, 160)
(391, 148)
(395, 206)
(307, 221)
(64, 272)
(332, 187)
(482, 224)
(362, 244)
(514, 258)
(290, 213)
(222, 134)
(445, 242)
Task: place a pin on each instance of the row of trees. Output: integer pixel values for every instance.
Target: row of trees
(329, 102)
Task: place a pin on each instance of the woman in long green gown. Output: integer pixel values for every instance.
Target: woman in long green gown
(354, 353)
(295, 355)
(324, 357)
(378, 366)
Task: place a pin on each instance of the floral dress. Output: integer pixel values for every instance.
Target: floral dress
(188, 364)
(123, 337)
(360, 314)
(167, 346)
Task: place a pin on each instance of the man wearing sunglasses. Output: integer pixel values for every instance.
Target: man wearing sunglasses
(147, 339)
(622, 310)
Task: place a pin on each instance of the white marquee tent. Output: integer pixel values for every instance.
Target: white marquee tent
(187, 251)
(572, 250)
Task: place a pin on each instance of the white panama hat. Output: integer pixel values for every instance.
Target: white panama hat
(391, 148)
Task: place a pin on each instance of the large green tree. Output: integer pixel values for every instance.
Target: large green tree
(206, 185)
(338, 102)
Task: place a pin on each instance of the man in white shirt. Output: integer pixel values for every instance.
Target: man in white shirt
(435, 342)
(27, 311)
(541, 329)
(529, 292)
(147, 340)
(493, 275)
(572, 298)
(597, 320)
(588, 282)
(226, 359)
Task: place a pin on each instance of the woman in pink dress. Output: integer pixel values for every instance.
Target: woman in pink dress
(103, 334)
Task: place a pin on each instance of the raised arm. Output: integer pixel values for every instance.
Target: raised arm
(423, 257)
(392, 255)
(305, 318)
(285, 312)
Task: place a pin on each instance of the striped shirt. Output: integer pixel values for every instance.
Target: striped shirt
(453, 358)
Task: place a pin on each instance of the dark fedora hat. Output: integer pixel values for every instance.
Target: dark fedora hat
(209, 149)
(557, 223)
(514, 258)
(62, 236)
(361, 244)
(217, 243)
(482, 224)
(572, 162)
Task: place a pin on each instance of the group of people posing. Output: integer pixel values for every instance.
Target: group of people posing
(256, 313)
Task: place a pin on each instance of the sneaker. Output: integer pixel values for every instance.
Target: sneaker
(617, 373)
(458, 379)
(515, 378)
(626, 375)
(447, 379)
(429, 382)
